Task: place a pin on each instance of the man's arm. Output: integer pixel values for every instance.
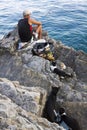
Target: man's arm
(35, 22)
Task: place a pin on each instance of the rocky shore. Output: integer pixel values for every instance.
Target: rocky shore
(26, 80)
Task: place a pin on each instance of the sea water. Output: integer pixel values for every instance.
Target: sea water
(64, 20)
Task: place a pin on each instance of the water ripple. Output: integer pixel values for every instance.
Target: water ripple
(64, 20)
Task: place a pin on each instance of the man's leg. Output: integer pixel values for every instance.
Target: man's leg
(38, 30)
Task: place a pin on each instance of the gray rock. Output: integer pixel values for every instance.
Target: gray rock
(29, 99)
(80, 86)
(81, 66)
(9, 42)
(7, 88)
(67, 93)
(37, 63)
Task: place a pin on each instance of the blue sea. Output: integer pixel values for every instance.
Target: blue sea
(65, 20)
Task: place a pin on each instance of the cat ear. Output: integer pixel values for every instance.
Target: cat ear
(54, 63)
(61, 110)
(55, 89)
(58, 88)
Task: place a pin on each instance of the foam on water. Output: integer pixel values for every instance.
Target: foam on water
(65, 20)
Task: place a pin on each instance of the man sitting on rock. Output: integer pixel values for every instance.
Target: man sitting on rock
(25, 28)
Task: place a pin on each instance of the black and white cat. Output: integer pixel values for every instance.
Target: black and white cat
(59, 72)
(69, 121)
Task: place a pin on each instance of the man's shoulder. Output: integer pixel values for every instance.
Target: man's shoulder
(22, 20)
(31, 19)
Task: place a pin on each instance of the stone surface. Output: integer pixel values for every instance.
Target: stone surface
(31, 99)
(25, 81)
(10, 40)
